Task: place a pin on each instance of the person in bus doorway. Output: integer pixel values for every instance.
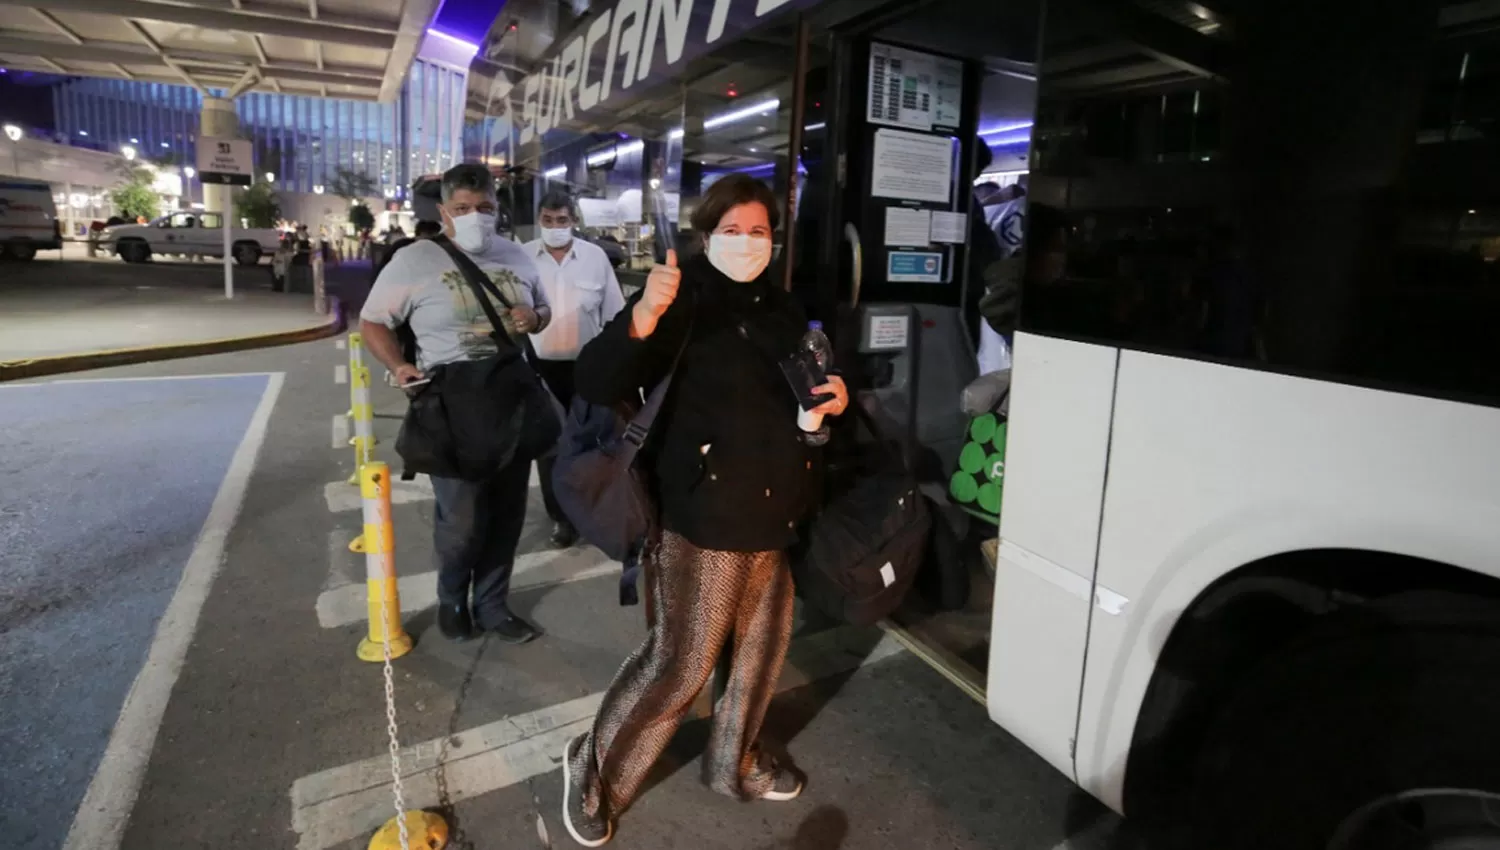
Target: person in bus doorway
(476, 524)
(581, 287)
(734, 480)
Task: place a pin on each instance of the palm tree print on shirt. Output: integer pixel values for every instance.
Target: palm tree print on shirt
(474, 327)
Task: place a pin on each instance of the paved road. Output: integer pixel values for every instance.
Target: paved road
(49, 308)
(273, 734)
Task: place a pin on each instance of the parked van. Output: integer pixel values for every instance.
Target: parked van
(28, 219)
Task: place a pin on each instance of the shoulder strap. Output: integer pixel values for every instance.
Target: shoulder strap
(480, 283)
(639, 427)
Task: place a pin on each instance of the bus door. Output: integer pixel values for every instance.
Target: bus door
(921, 102)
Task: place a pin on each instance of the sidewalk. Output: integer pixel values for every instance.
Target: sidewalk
(101, 312)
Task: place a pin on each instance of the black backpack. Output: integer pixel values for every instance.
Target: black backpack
(858, 557)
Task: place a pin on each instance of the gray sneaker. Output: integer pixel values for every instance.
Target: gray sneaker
(589, 830)
(786, 784)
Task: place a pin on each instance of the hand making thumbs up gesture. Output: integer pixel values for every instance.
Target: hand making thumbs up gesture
(661, 291)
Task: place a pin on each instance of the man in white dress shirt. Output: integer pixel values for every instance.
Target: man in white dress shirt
(580, 285)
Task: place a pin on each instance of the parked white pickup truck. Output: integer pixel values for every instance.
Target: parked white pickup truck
(190, 234)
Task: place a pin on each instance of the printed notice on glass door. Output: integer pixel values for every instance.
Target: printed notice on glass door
(907, 228)
(912, 89)
(912, 167)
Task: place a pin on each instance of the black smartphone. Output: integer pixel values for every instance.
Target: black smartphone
(804, 375)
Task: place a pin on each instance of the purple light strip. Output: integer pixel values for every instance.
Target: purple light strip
(469, 45)
(1012, 139)
(1007, 128)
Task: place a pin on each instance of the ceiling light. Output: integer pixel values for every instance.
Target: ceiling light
(615, 152)
(559, 171)
(739, 114)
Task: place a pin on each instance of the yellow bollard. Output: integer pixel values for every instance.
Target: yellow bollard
(426, 831)
(363, 414)
(356, 362)
(379, 545)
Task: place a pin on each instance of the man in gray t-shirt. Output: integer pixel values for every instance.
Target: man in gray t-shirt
(422, 287)
(477, 524)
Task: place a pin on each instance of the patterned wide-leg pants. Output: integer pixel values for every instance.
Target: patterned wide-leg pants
(700, 598)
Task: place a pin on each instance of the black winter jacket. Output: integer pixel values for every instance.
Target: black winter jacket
(731, 470)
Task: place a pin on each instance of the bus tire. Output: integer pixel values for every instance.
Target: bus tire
(1349, 735)
(21, 249)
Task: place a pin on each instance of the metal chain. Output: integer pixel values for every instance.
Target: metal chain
(390, 722)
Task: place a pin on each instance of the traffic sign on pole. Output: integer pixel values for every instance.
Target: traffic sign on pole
(227, 162)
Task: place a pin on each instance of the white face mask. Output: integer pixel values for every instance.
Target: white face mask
(740, 258)
(473, 232)
(557, 237)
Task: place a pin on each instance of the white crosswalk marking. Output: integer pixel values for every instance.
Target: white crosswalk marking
(342, 497)
(347, 802)
(346, 605)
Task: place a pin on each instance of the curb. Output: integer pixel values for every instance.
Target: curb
(59, 364)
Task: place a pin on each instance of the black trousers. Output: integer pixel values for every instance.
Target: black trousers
(476, 526)
(559, 377)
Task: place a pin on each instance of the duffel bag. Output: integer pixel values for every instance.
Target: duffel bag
(859, 555)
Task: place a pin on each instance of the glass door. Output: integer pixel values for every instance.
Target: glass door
(926, 102)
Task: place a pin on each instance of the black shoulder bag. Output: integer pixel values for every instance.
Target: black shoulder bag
(595, 479)
(477, 417)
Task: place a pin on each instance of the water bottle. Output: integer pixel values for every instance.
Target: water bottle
(816, 343)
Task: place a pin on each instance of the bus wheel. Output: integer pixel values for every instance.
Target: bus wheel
(21, 249)
(1376, 734)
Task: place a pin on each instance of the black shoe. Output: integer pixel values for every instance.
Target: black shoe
(454, 622)
(564, 534)
(512, 629)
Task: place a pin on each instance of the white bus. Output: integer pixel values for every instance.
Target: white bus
(1246, 587)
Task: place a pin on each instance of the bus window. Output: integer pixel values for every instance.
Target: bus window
(1295, 203)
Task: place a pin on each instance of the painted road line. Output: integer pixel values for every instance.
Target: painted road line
(341, 374)
(1100, 835)
(349, 802)
(340, 344)
(340, 433)
(136, 379)
(342, 498)
(346, 605)
(100, 821)
(344, 567)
